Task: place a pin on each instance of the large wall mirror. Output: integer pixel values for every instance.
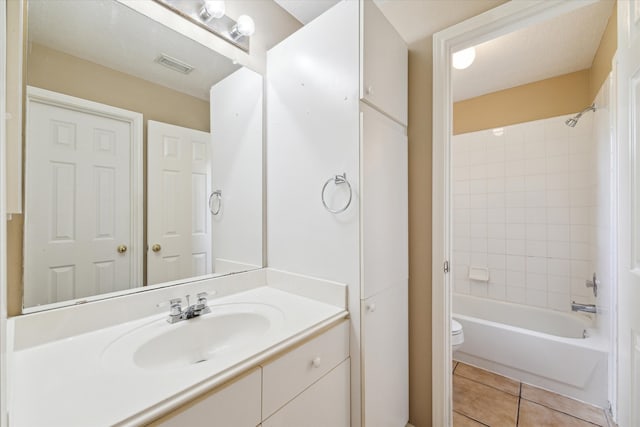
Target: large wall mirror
(143, 156)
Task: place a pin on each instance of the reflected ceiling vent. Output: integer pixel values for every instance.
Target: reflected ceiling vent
(174, 64)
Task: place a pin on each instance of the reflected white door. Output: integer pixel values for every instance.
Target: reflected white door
(628, 129)
(78, 210)
(178, 216)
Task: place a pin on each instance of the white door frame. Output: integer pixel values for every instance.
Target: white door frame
(134, 119)
(3, 222)
(494, 23)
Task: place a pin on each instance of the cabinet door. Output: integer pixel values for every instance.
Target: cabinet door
(323, 404)
(384, 80)
(235, 405)
(384, 197)
(385, 358)
(289, 375)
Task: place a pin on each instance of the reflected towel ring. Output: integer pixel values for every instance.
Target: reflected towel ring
(337, 180)
(218, 195)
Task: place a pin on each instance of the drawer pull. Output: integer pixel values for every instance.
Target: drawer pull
(316, 362)
(371, 307)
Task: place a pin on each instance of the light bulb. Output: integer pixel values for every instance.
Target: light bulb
(212, 9)
(245, 25)
(464, 58)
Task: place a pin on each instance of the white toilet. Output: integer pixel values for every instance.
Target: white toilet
(457, 336)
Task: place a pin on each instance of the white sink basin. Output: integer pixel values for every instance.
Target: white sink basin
(227, 330)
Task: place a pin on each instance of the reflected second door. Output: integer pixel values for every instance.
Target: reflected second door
(178, 217)
(78, 204)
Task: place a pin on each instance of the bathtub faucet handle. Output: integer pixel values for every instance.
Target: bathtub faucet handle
(593, 284)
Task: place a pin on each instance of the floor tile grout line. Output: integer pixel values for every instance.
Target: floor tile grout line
(520, 392)
(519, 400)
(491, 372)
(562, 412)
(488, 385)
(471, 418)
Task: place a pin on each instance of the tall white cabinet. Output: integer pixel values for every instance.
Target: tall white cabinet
(337, 104)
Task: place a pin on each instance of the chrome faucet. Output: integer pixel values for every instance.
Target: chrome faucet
(585, 308)
(176, 313)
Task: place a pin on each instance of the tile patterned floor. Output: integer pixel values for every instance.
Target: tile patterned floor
(482, 398)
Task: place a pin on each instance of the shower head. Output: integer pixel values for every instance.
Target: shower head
(573, 121)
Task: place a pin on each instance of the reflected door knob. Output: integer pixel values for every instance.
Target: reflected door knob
(122, 249)
(156, 248)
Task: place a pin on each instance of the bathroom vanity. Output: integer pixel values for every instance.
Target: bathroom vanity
(276, 340)
(275, 189)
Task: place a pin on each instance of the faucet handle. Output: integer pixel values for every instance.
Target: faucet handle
(202, 296)
(171, 302)
(593, 283)
(175, 305)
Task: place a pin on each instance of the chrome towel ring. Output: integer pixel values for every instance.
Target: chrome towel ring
(337, 180)
(216, 195)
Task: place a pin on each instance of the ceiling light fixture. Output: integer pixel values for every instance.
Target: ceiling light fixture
(210, 15)
(212, 9)
(463, 58)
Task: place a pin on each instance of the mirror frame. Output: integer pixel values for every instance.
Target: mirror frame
(494, 23)
(163, 16)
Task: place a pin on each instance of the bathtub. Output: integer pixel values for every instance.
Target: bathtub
(550, 349)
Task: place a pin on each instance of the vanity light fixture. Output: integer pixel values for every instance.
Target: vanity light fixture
(210, 15)
(463, 58)
(245, 27)
(212, 9)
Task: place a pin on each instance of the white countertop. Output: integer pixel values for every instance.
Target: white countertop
(67, 382)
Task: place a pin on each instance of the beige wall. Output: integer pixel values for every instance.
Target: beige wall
(420, 131)
(60, 72)
(552, 97)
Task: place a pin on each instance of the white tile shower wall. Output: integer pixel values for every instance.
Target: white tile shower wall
(523, 207)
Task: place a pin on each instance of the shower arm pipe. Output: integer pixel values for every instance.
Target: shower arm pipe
(591, 107)
(573, 121)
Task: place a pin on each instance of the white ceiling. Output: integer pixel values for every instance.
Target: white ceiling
(417, 20)
(306, 11)
(110, 34)
(559, 46)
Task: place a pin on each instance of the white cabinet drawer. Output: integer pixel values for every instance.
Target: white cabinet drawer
(234, 405)
(325, 403)
(286, 377)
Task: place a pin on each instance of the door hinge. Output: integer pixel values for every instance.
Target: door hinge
(446, 266)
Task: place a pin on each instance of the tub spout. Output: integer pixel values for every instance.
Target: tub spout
(585, 308)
